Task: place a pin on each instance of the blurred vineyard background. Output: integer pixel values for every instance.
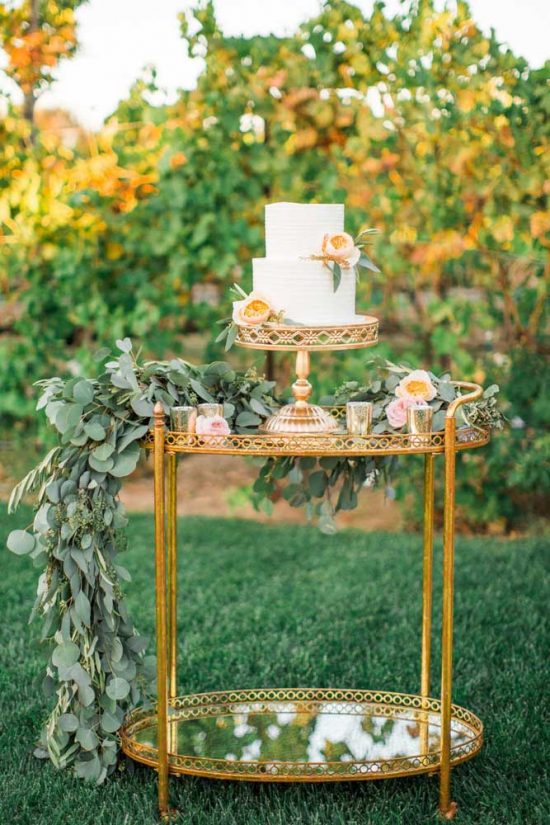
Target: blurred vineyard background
(425, 127)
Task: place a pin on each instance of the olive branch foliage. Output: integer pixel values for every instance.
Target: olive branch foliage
(97, 666)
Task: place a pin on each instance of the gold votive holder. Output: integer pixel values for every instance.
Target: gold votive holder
(183, 419)
(359, 417)
(210, 410)
(419, 424)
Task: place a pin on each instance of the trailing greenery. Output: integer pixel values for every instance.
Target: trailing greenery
(97, 666)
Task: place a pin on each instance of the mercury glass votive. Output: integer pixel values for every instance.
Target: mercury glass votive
(359, 417)
(210, 410)
(419, 423)
(183, 419)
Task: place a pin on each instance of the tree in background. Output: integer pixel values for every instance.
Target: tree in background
(36, 35)
(421, 124)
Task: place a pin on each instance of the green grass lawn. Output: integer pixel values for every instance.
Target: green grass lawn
(287, 606)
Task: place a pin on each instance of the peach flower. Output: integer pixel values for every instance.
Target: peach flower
(212, 425)
(341, 249)
(417, 385)
(396, 411)
(253, 310)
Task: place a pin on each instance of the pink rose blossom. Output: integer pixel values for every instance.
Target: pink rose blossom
(396, 411)
(212, 425)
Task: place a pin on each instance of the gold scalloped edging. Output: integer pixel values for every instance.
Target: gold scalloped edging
(281, 337)
(330, 444)
(382, 703)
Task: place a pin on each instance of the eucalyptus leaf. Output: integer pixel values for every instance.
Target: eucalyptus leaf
(131, 434)
(446, 391)
(82, 607)
(125, 462)
(101, 466)
(87, 738)
(200, 390)
(95, 431)
(142, 407)
(83, 392)
(68, 722)
(317, 483)
(86, 695)
(125, 345)
(88, 769)
(248, 419)
(66, 654)
(117, 688)
(109, 722)
(21, 542)
(102, 452)
(438, 421)
(258, 407)
(67, 417)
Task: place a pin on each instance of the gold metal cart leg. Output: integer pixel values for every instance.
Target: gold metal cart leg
(172, 462)
(447, 808)
(172, 575)
(161, 619)
(427, 586)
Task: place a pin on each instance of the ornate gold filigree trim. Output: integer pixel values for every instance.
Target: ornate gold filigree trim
(350, 702)
(286, 337)
(331, 444)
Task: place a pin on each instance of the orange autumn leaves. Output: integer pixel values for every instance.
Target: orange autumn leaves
(32, 54)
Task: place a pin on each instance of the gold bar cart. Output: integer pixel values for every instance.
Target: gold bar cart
(205, 734)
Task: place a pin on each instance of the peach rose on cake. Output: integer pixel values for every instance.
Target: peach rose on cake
(341, 249)
(396, 411)
(253, 310)
(416, 385)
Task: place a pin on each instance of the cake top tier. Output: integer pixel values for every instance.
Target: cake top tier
(295, 230)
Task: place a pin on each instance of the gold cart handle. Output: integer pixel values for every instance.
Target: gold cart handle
(476, 392)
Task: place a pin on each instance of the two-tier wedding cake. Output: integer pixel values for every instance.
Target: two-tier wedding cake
(303, 298)
(295, 276)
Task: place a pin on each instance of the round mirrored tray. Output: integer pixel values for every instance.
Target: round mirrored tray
(302, 734)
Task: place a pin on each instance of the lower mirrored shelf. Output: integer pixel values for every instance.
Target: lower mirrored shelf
(302, 734)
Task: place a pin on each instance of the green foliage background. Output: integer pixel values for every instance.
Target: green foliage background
(112, 236)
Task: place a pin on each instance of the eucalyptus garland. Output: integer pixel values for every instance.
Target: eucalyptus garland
(98, 668)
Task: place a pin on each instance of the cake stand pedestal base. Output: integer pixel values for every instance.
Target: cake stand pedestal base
(301, 417)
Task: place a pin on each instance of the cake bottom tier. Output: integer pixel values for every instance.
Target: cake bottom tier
(302, 734)
(304, 291)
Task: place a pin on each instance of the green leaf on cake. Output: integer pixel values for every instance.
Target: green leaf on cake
(231, 336)
(222, 335)
(366, 262)
(336, 276)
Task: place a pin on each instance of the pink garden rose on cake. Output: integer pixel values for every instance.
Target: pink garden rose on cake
(341, 249)
(253, 310)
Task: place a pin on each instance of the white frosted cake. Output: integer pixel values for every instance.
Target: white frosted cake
(304, 289)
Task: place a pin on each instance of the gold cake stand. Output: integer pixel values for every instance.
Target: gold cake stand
(301, 416)
(306, 734)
